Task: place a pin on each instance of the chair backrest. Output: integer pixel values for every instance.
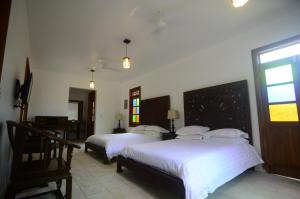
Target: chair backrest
(17, 137)
(18, 134)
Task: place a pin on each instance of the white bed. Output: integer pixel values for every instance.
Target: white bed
(114, 143)
(203, 165)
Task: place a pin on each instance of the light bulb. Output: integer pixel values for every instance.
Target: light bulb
(92, 84)
(239, 3)
(126, 62)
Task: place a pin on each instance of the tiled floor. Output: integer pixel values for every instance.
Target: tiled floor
(94, 180)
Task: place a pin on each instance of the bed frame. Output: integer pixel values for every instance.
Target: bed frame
(222, 106)
(154, 111)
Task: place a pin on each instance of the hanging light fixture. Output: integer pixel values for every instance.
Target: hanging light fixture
(126, 59)
(239, 3)
(92, 82)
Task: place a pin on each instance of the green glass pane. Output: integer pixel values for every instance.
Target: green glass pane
(137, 102)
(133, 118)
(279, 74)
(281, 93)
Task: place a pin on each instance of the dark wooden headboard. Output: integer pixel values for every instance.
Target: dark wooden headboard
(222, 106)
(154, 111)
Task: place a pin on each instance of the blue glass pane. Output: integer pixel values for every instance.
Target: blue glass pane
(282, 93)
(137, 110)
(134, 102)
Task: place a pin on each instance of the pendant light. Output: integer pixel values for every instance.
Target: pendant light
(92, 82)
(239, 3)
(126, 59)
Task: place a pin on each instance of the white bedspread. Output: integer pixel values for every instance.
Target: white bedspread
(203, 165)
(114, 143)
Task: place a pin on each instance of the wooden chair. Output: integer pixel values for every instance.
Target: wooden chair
(35, 173)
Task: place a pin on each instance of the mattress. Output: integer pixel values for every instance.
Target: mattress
(203, 165)
(114, 143)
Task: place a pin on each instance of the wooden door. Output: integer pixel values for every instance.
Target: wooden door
(278, 102)
(90, 130)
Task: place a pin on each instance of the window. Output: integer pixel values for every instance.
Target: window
(278, 69)
(134, 106)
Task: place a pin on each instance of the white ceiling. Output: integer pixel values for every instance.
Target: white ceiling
(72, 35)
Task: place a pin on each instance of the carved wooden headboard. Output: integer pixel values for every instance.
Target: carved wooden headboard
(154, 111)
(222, 106)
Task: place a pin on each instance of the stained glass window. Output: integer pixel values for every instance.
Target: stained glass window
(281, 53)
(284, 113)
(281, 93)
(281, 74)
(134, 113)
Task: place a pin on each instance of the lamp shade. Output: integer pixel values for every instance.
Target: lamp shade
(92, 84)
(173, 114)
(126, 62)
(119, 116)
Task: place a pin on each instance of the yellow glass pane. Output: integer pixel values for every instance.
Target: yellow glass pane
(134, 110)
(283, 113)
(137, 118)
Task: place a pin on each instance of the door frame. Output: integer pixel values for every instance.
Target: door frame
(262, 120)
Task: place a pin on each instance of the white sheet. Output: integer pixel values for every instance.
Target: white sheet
(114, 143)
(203, 165)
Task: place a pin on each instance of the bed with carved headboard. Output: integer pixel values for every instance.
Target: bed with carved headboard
(222, 106)
(153, 112)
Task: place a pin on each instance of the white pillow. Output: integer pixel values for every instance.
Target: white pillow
(227, 132)
(157, 129)
(190, 137)
(138, 129)
(192, 130)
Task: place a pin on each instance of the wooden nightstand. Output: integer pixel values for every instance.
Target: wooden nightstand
(119, 130)
(168, 136)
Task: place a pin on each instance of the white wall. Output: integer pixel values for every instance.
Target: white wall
(16, 51)
(223, 63)
(50, 96)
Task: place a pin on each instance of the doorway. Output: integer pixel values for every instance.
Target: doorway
(81, 113)
(277, 79)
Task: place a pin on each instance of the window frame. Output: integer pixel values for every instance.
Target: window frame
(131, 97)
(261, 85)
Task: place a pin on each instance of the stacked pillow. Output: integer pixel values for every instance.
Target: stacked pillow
(151, 130)
(227, 133)
(192, 132)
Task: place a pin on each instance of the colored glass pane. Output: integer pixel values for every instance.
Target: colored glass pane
(284, 113)
(279, 74)
(134, 110)
(133, 118)
(281, 93)
(137, 118)
(134, 102)
(138, 102)
(137, 110)
(281, 53)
